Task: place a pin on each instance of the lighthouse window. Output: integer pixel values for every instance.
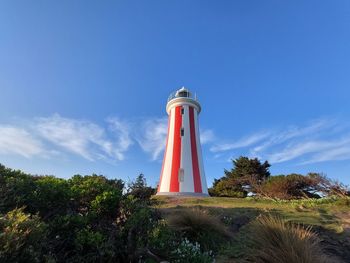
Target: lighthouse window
(181, 175)
(183, 94)
(182, 131)
(182, 111)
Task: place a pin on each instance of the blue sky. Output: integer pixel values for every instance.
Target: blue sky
(83, 84)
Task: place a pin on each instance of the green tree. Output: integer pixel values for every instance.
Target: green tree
(139, 189)
(245, 175)
(245, 167)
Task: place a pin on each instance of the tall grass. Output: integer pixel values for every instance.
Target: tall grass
(276, 241)
(199, 226)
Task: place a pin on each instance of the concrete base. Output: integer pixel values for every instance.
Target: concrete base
(189, 194)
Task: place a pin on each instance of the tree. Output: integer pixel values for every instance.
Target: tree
(139, 189)
(244, 177)
(245, 167)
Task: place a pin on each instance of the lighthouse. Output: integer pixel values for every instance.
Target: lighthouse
(182, 170)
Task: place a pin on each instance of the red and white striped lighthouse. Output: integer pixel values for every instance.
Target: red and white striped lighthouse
(182, 170)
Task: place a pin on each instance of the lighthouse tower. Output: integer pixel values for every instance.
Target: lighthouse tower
(182, 170)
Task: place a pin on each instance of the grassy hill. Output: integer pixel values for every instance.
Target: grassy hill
(329, 218)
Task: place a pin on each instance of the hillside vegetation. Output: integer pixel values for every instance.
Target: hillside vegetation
(95, 219)
(329, 219)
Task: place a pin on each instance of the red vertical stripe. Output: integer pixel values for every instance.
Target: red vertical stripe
(174, 180)
(166, 147)
(195, 166)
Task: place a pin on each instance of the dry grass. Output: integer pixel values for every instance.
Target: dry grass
(199, 226)
(278, 241)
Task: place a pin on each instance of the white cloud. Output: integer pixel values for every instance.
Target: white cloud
(121, 131)
(206, 136)
(296, 150)
(241, 143)
(151, 136)
(14, 140)
(84, 138)
(293, 132)
(335, 154)
(318, 141)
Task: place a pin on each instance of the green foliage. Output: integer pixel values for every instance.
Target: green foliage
(88, 191)
(51, 195)
(138, 221)
(226, 187)
(250, 175)
(244, 166)
(16, 189)
(139, 188)
(245, 174)
(163, 239)
(94, 219)
(106, 202)
(169, 244)
(20, 237)
(191, 252)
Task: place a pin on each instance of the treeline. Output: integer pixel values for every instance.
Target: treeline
(82, 219)
(252, 177)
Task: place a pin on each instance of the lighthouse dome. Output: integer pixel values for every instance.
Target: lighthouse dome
(183, 92)
(182, 96)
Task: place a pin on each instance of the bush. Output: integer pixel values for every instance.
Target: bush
(163, 240)
(51, 196)
(191, 252)
(16, 188)
(21, 237)
(227, 188)
(97, 194)
(277, 241)
(292, 186)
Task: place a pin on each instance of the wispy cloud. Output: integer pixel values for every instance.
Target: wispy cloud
(121, 130)
(72, 135)
(291, 132)
(240, 143)
(152, 136)
(84, 138)
(317, 141)
(319, 150)
(335, 153)
(17, 141)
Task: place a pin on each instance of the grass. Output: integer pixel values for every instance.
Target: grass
(284, 242)
(200, 226)
(328, 217)
(318, 212)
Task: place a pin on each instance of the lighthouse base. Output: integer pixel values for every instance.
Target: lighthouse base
(189, 194)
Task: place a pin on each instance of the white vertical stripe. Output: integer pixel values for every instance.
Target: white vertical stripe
(165, 184)
(186, 156)
(199, 153)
